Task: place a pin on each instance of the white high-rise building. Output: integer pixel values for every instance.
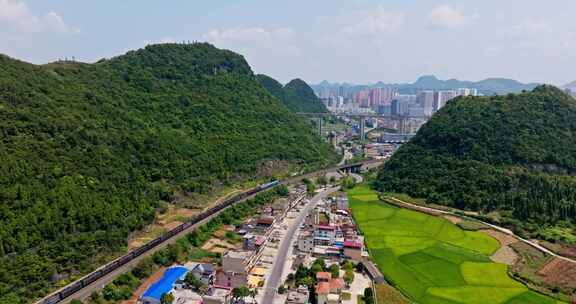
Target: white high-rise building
(466, 92)
(441, 98)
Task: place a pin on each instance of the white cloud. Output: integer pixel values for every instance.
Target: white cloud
(376, 22)
(15, 15)
(446, 16)
(249, 34)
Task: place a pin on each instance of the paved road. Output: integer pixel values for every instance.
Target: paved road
(273, 281)
(498, 228)
(99, 284)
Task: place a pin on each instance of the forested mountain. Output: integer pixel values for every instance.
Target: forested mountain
(296, 95)
(88, 150)
(515, 154)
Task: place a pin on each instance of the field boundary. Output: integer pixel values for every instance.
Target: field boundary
(432, 211)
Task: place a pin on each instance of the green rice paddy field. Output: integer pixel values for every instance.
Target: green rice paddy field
(432, 260)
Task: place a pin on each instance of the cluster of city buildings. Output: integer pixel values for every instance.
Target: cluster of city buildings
(387, 101)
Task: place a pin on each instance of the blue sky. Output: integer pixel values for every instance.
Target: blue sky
(358, 41)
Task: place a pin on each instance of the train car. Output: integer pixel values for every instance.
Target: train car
(91, 278)
(126, 258)
(70, 290)
(52, 299)
(142, 249)
(154, 242)
(268, 185)
(138, 251)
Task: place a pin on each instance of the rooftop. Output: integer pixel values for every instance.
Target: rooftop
(323, 288)
(166, 283)
(353, 244)
(337, 283)
(325, 227)
(238, 254)
(323, 275)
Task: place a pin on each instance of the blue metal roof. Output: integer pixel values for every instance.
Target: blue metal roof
(166, 283)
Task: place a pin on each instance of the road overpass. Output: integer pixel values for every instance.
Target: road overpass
(362, 118)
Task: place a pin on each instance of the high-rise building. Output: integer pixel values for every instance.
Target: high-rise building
(441, 98)
(362, 98)
(466, 92)
(341, 91)
(401, 104)
(426, 100)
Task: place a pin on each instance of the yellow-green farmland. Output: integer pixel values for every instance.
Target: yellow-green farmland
(432, 260)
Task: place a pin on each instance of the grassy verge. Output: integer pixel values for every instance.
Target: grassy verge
(386, 294)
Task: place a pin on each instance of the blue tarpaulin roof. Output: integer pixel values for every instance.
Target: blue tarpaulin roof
(166, 283)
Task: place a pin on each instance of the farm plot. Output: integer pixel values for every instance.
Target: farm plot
(431, 259)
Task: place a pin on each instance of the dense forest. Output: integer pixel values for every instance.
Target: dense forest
(296, 95)
(515, 154)
(89, 150)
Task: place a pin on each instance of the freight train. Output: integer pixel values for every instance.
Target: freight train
(108, 268)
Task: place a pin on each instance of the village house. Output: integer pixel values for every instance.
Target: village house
(204, 273)
(218, 295)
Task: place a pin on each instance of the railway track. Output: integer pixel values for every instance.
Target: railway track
(65, 294)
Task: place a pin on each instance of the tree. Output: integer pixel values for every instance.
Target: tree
(240, 292)
(322, 180)
(75, 301)
(167, 298)
(310, 188)
(360, 267)
(281, 289)
(321, 262)
(193, 281)
(368, 295)
(349, 277)
(253, 294)
(334, 270)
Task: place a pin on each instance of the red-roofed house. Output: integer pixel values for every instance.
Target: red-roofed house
(353, 249)
(323, 277)
(336, 285)
(266, 221)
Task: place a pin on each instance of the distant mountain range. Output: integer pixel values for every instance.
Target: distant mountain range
(490, 86)
(570, 86)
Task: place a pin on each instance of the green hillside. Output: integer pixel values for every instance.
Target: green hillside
(89, 150)
(296, 95)
(514, 154)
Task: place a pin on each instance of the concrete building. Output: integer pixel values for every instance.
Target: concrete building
(218, 295)
(373, 272)
(426, 100)
(466, 92)
(236, 261)
(306, 242)
(324, 235)
(441, 98)
(231, 279)
(204, 273)
(353, 250)
(235, 267)
(299, 296)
